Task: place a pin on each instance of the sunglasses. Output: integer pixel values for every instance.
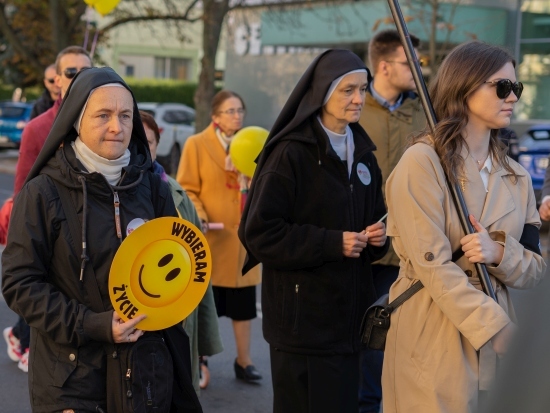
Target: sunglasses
(71, 72)
(506, 86)
(50, 81)
(421, 62)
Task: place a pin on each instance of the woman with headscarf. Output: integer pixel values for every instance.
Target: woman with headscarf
(442, 345)
(96, 154)
(311, 220)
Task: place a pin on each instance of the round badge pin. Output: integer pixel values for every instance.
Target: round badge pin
(133, 224)
(363, 173)
(162, 269)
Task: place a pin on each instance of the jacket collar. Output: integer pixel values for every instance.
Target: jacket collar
(487, 206)
(311, 132)
(213, 146)
(404, 112)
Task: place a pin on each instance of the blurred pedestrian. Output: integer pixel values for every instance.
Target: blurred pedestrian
(311, 220)
(96, 152)
(217, 189)
(391, 113)
(68, 63)
(50, 95)
(442, 345)
(202, 324)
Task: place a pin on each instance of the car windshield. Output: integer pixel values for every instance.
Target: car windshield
(540, 134)
(11, 112)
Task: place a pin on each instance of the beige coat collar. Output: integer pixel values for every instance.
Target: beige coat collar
(486, 209)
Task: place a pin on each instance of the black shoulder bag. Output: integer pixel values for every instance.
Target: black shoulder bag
(376, 321)
(140, 375)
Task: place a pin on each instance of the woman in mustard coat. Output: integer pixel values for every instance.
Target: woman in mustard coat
(218, 192)
(443, 343)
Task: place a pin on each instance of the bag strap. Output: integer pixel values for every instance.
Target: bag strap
(417, 286)
(409, 292)
(76, 233)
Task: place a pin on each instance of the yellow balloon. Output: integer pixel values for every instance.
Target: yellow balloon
(245, 148)
(103, 7)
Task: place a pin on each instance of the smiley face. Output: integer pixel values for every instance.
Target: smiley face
(160, 273)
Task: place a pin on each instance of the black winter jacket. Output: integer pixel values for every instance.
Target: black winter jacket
(41, 271)
(312, 296)
(42, 104)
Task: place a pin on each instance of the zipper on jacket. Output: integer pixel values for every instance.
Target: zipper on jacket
(127, 377)
(295, 328)
(117, 215)
(351, 188)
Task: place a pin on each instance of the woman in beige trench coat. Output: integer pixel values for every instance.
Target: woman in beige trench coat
(443, 343)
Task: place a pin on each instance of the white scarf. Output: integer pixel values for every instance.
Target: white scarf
(111, 170)
(339, 142)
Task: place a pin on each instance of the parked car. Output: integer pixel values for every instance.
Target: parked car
(510, 139)
(13, 118)
(176, 123)
(534, 149)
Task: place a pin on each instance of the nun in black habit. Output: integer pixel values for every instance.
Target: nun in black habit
(311, 220)
(96, 153)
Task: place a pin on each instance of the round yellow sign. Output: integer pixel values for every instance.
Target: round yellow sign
(162, 269)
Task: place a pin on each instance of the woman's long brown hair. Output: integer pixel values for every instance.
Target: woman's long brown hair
(462, 72)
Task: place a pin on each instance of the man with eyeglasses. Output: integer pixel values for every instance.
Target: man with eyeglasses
(391, 112)
(68, 63)
(50, 94)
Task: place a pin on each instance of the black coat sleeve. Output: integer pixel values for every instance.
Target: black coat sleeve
(278, 242)
(34, 228)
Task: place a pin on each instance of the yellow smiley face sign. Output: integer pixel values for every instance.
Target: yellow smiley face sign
(162, 269)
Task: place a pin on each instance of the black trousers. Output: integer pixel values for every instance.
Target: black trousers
(314, 384)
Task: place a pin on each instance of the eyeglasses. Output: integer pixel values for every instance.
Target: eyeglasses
(71, 72)
(231, 112)
(506, 86)
(50, 81)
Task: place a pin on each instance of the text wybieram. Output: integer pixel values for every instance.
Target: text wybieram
(197, 247)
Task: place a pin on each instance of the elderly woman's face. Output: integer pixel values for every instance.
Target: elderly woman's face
(230, 115)
(345, 104)
(106, 126)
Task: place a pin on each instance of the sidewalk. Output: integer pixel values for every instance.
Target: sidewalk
(8, 160)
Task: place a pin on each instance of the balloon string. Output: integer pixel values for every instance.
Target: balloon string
(86, 36)
(94, 42)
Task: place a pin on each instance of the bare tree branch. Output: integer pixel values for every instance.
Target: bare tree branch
(78, 10)
(153, 15)
(14, 40)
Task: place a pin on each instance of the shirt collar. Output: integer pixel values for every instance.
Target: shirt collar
(488, 164)
(383, 102)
